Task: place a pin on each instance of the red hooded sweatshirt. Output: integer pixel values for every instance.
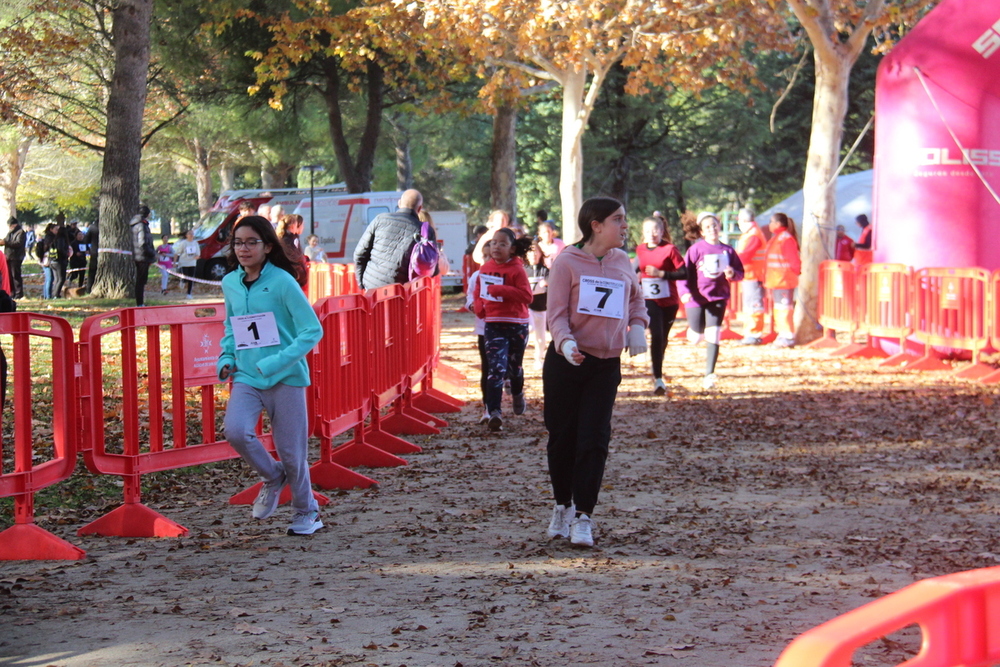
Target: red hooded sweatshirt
(507, 282)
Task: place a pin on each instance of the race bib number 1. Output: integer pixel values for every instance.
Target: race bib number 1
(655, 288)
(603, 297)
(484, 285)
(257, 330)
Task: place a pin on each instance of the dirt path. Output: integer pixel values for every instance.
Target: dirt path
(729, 523)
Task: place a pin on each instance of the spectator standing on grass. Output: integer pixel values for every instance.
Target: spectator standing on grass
(143, 252)
(270, 327)
(660, 265)
(781, 277)
(92, 237)
(42, 253)
(382, 256)
(502, 294)
(711, 266)
(15, 250)
(752, 248)
(187, 251)
(595, 309)
(78, 258)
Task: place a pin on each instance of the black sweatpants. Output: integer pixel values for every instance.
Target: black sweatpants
(661, 319)
(579, 401)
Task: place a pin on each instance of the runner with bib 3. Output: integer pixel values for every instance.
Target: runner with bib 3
(660, 264)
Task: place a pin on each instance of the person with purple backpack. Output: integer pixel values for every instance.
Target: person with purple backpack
(383, 254)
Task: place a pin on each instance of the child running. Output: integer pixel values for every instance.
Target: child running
(538, 273)
(502, 295)
(711, 265)
(660, 264)
(594, 297)
(269, 329)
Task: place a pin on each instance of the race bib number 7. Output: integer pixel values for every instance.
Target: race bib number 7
(603, 297)
(257, 330)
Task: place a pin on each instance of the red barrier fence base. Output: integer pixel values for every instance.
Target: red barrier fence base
(432, 400)
(330, 475)
(388, 442)
(247, 496)
(992, 378)
(868, 351)
(823, 342)
(26, 541)
(356, 454)
(928, 362)
(409, 420)
(133, 520)
(451, 375)
(974, 372)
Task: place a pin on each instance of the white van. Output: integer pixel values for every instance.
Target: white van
(340, 220)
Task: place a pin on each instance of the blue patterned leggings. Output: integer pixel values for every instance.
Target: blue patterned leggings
(505, 343)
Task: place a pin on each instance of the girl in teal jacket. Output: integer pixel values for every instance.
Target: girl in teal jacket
(269, 329)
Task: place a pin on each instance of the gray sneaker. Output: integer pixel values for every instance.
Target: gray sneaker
(305, 523)
(267, 499)
(496, 421)
(519, 403)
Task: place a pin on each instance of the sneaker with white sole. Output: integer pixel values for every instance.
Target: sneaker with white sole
(519, 403)
(496, 421)
(485, 418)
(581, 531)
(305, 523)
(559, 525)
(659, 387)
(710, 381)
(267, 499)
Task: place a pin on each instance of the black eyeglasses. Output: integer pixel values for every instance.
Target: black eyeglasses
(251, 243)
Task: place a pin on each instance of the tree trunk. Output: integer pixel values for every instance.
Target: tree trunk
(203, 177)
(119, 199)
(275, 175)
(816, 229)
(574, 121)
(503, 184)
(227, 178)
(11, 167)
(357, 175)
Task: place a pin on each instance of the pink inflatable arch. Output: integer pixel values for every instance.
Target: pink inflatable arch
(937, 120)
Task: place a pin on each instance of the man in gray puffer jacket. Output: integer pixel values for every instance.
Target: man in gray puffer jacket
(143, 251)
(383, 253)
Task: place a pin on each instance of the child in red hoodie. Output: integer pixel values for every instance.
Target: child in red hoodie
(502, 294)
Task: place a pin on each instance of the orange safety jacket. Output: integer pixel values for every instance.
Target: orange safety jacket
(752, 250)
(783, 262)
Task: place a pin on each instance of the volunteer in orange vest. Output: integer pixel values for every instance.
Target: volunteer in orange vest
(781, 276)
(863, 247)
(751, 248)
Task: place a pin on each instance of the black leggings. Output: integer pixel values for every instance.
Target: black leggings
(661, 319)
(704, 317)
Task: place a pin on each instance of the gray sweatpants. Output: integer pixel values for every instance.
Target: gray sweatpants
(286, 406)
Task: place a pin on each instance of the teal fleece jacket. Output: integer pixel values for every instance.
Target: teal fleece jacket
(299, 329)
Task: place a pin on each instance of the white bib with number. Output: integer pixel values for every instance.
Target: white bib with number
(713, 265)
(257, 330)
(484, 285)
(655, 288)
(603, 297)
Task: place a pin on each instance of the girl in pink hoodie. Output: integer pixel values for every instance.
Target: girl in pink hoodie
(595, 310)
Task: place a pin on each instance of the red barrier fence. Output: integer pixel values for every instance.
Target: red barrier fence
(958, 615)
(43, 392)
(167, 358)
(148, 398)
(949, 308)
(939, 307)
(836, 309)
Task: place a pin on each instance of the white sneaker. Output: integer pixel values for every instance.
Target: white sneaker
(659, 387)
(305, 523)
(485, 418)
(267, 499)
(709, 381)
(581, 531)
(561, 516)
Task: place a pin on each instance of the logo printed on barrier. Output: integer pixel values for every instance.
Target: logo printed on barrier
(988, 43)
(206, 343)
(838, 285)
(885, 289)
(981, 157)
(949, 293)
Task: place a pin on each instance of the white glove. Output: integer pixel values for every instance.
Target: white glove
(568, 349)
(636, 340)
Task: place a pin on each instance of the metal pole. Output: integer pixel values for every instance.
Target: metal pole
(312, 203)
